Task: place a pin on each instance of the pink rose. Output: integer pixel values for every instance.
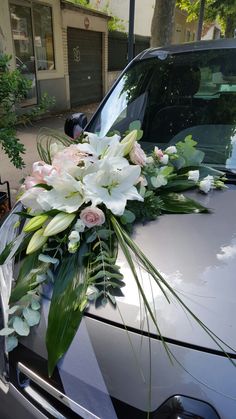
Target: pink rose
(137, 155)
(92, 216)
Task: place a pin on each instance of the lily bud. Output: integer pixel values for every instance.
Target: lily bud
(36, 241)
(59, 223)
(35, 223)
(129, 141)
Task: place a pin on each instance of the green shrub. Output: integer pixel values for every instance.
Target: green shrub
(13, 89)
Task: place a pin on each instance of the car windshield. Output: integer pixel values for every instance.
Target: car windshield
(189, 93)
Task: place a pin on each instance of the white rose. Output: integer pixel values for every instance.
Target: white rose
(193, 175)
(171, 150)
(164, 159)
(206, 184)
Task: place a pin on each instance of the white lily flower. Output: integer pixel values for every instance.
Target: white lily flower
(113, 185)
(193, 175)
(106, 146)
(67, 194)
(206, 184)
(30, 200)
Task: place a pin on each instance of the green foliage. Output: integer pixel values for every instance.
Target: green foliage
(65, 313)
(149, 209)
(222, 11)
(13, 89)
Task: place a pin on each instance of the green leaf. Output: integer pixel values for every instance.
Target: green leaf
(29, 281)
(64, 315)
(13, 309)
(207, 170)
(187, 150)
(20, 326)
(103, 274)
(92, 237)
(104, 233)
(128, 217)
(11, 343)
(44, 186)
(135, 125)
(24, 214)
(179, 185)
(6, 331)
(31, 316)
(6, 252)
(47, 259)
(35, 305)
(30, 262)
(180, 204)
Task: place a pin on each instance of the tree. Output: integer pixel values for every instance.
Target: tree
(162, 22)
(223, 11)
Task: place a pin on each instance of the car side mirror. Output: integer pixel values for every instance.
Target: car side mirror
(75, 124)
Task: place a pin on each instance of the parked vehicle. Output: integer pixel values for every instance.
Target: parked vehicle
(116, 366)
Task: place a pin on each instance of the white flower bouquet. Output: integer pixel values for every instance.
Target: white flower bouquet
(79, 205)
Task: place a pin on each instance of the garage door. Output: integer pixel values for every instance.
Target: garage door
(85, 66)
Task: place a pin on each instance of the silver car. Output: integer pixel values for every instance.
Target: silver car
(116, 366)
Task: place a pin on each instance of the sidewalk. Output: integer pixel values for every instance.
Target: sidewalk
(28, 137)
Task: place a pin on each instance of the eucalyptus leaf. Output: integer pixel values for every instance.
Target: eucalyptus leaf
(104, 301)
(35, 305)
(20, 326)
(47, 259)
(135, 125)
(31, 316)
(104, 233)
(92, 237)
(127, 217)
(11, 343)
(13, 309)
(6, 331)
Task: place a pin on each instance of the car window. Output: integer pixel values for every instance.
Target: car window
(174, 95)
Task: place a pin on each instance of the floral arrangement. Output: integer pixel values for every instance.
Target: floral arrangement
(80, 202)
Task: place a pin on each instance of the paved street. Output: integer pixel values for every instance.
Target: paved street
(28, 137)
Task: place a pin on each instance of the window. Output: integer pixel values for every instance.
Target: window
(43, 33)
(188, 93)
(188, 35)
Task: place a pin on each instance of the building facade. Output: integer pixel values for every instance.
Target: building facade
(60, 47)
(183, 31)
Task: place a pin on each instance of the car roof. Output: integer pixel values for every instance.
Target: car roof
(188, 47)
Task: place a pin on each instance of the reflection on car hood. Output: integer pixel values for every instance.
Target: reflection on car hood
(196, 253)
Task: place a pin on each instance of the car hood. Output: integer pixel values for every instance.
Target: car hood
(196, 254)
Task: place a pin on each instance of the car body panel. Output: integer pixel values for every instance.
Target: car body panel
(115, 349)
